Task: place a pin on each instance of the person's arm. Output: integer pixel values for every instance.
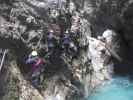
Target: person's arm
(31, 60)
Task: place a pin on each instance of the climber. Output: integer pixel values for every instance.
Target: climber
(32, 57)
(51, 41)
(38, 68)
(37, 65)
(66, 41)
(35, 61)
(68, 44)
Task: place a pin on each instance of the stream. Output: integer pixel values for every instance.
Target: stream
(119, 88)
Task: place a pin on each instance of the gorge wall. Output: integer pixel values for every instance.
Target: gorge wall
(105, 37)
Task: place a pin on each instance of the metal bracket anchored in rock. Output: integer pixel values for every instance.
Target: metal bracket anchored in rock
(3, 58)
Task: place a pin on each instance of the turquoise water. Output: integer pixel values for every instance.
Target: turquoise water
(118, 89)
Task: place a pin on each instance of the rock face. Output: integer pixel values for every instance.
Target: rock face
(24, 26)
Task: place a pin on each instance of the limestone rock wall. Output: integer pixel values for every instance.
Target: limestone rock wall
(24, 23)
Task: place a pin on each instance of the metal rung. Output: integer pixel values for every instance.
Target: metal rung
(3, 58)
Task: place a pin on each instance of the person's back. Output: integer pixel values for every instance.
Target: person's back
(37, 65)
(35, 61)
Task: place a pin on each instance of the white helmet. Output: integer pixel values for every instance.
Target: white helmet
(51, 31)
(71, 45)
(67, 32)
(34, 53)
(107, 33)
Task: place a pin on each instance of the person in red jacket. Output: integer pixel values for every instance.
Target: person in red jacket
(37, 65)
